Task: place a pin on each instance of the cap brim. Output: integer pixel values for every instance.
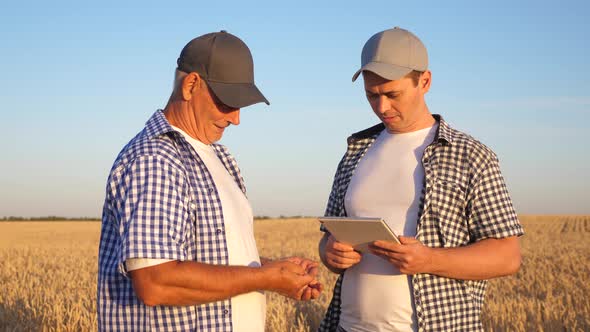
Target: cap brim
(237, 95)
(385, 70)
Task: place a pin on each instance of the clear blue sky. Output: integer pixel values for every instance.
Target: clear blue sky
(79, 80)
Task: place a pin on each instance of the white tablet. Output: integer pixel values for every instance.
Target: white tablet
(358, 232)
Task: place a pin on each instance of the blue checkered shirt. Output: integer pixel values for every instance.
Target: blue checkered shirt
(464, 200)
(161, 203)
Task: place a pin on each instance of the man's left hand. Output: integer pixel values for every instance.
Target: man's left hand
(410, 257)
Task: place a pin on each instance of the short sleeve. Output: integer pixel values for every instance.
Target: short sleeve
(152, 211)
(140, 263)
(489, 208)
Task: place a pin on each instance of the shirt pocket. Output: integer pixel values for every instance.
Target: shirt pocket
(447, 204)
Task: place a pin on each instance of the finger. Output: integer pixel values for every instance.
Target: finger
(379, 250)
(293, 259)
(395, 259)
(315, 293)
(343, 260)
(340, 259)
(341, 246)
(309, 264)
(313, 263)
(316, 290)
(391, 246)
(316, 285)
(313, 271)
(301, 292)
(388, 254)
(341, 265)
(306, 296)
(344, 254)
(305, 280)
(304, 263)
(332, 242)
(407, 239)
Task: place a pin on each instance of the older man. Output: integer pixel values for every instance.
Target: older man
(177, 249)
(438, 187)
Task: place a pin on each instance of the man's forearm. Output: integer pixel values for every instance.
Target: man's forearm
(485, 259)
(191, 283)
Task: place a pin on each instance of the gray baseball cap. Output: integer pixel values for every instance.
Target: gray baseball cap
(392, 54)
(225, 63)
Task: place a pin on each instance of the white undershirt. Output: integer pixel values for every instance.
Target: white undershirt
(248, 310)
(387, 184)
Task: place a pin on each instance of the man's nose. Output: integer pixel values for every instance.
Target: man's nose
(383, 104)
(233, 117)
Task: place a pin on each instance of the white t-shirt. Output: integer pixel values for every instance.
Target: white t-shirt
(248, 310)
(387, 184)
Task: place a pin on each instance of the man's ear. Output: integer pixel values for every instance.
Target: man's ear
(425, 81)
(190, 84)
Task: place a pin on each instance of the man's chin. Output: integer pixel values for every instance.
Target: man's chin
(392, 124)
(214, 138)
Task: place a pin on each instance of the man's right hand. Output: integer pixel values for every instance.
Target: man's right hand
(340, 256)
(287, 278)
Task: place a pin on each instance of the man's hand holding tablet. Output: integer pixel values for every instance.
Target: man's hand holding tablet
(349, 237)
(338, 256)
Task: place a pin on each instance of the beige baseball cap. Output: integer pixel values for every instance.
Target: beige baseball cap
(392, 54)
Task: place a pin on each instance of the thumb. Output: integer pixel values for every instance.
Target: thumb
(307, 279)
(303, 280)
(407, 239)
(294, 259)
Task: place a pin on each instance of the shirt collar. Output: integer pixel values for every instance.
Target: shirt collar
(157, 125)
(444, 133)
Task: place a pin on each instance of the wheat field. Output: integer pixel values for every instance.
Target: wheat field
(48, 273)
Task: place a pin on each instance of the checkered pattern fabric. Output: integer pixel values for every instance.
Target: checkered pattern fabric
(161, 203)
(464, 200)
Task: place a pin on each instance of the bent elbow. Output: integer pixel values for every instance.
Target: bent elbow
(514, 264)
(150, 284)
(148, 296)
(150, 300)
(146, 289)
(512, 256)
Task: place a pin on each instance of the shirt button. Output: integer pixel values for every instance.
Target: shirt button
(218, 231)
(211, 189)
(225, 311)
